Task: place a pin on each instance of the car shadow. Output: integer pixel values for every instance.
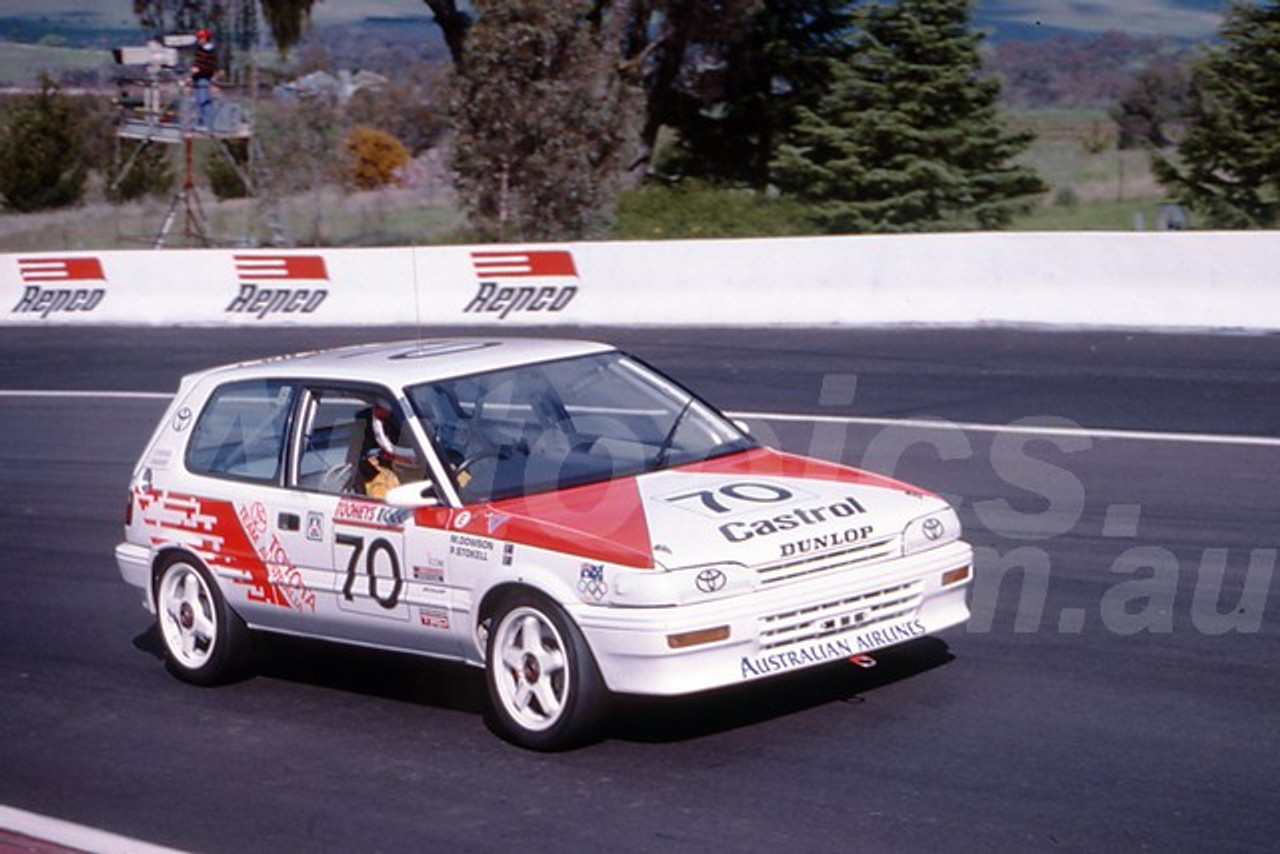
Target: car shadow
(387, 675)
(407, 678)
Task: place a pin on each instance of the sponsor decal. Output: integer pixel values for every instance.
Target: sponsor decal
(591, 583)
(370, 514)
(494, 521)
(543, 262)
(827, 541)
(432, 573)
(315, 526)
(473, 548)
(741, 531)
(433, 618)
(281, 295)
(462, 520)
(711, 580)
(36, 270)
(508, 554)
(830, 650)
(548, 282)
(283, 575)
(37, 298)
(232, 542)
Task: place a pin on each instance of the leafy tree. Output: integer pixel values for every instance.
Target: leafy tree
(409, 106)
(42, 152)
(908, 138)
(454, 24)
(736, 103)
(301, 142)
(236, 21)
(226, 166)
(678, 46)
(139, 169)
(373, 157)
(542, 119)
(1228, 165)
(1151, 111)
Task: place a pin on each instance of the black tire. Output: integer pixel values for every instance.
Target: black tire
(545, 690)
(205, 642)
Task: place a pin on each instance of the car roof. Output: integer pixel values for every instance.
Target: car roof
(402, 363)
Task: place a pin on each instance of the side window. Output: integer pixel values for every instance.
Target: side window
(240, 434)
(354, 443)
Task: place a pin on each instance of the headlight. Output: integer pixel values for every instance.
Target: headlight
(657, 587)
(928, 532)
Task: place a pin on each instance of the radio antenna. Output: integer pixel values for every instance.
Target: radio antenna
(417, 298)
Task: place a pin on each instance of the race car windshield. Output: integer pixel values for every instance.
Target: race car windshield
(536, 428)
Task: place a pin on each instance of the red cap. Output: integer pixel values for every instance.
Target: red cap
(203, 35)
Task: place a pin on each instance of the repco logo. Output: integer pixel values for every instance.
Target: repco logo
(550, 282)
(38, 298)
(261, 300)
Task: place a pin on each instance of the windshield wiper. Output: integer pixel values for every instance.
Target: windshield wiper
(664, 449)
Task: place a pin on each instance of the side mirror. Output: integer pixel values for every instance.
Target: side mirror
(411, 496)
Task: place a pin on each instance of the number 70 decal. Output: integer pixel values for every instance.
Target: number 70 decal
(383, 580)
(729, 498)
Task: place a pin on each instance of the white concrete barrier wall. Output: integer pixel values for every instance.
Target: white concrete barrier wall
(1216, 280)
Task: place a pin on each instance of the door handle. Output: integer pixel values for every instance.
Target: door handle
(288, 522)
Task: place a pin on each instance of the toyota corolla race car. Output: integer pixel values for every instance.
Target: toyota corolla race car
(555, 512)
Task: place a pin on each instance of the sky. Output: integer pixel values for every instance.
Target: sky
(1185, 18)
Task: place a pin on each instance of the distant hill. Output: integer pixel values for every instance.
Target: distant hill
(1071, 70)
(1049, 52)
(1021, 20)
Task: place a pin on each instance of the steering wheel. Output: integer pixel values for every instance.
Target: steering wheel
(482, 454)
(336, 478)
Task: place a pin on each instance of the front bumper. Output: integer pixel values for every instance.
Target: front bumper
(778, 630)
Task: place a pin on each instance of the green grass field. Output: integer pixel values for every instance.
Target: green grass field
(1094, 187)
(22, 64)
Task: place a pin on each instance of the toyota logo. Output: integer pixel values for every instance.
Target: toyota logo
(933, 528)
(711, 580)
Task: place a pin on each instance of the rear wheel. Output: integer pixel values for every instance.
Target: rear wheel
(205, 642)
(544, 687)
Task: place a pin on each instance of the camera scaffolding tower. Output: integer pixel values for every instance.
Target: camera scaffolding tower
(165, 115)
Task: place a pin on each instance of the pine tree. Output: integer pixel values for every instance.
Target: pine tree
(1230, 157)
(908, 138)
(42, 153)
(543, 119)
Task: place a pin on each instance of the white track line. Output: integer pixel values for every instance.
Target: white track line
(1025, 429)
(851, 420)
(74, 836)
(86, 395)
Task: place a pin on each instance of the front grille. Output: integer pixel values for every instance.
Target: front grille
(858, 611)
(806, 566)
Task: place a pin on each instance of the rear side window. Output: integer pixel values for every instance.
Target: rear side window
(241, 432)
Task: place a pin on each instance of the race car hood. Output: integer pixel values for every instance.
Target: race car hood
(750, 508)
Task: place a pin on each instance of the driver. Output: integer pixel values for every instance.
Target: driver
(382, 456)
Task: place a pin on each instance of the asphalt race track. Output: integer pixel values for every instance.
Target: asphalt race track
(1117, 689)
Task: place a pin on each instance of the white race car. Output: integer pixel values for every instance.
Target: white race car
(555, 512)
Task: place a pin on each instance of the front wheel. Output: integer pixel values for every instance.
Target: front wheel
(204, 640)
(544, 687)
